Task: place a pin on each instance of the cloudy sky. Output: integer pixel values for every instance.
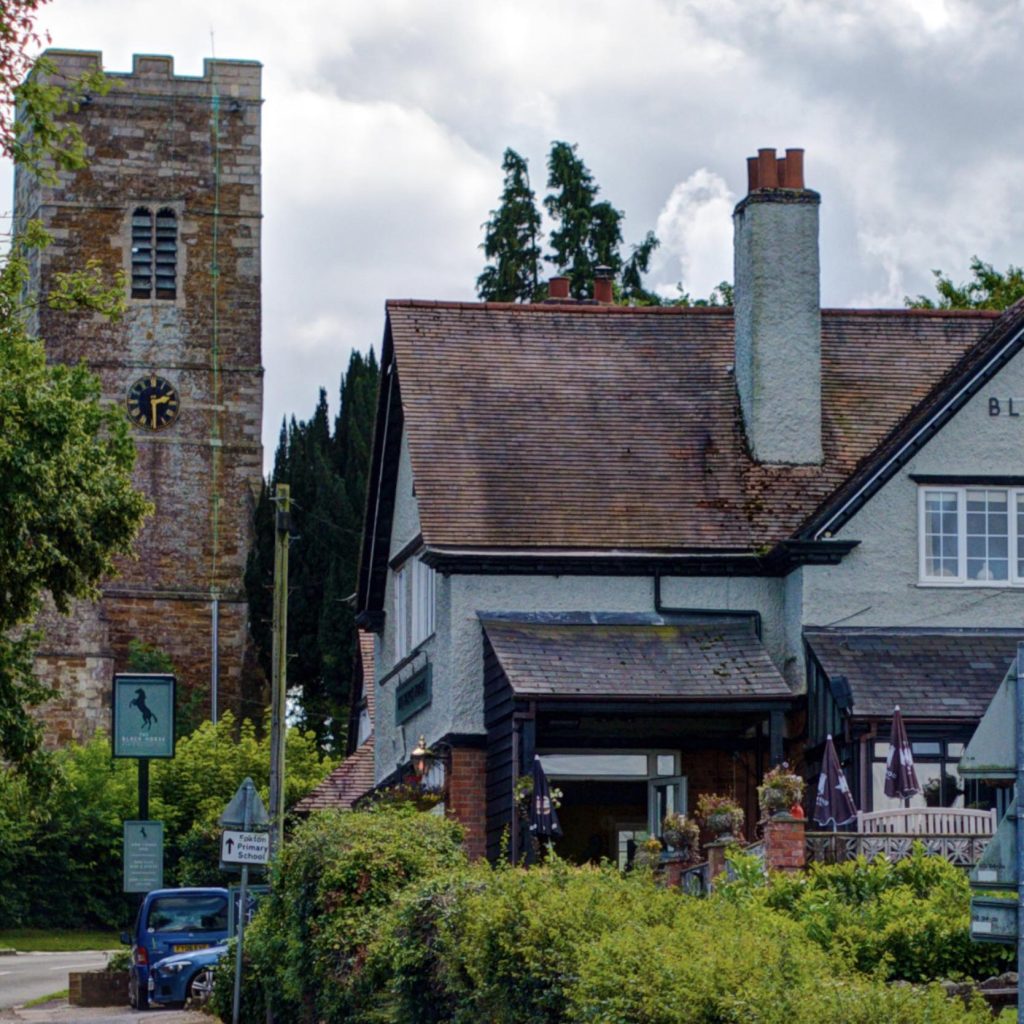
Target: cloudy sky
(385, 122)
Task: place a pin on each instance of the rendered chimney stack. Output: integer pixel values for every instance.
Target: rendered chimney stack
(777, 310)
(558, 288)
(603, 285)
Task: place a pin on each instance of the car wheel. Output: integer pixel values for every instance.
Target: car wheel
(201, 987)
(137, 998)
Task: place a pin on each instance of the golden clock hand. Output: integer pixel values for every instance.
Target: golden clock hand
(153, 403)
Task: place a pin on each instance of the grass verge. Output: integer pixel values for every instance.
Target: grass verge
(62, 994)
(43, 940)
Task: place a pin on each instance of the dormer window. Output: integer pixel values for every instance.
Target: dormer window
(414, 606)
(154, 253)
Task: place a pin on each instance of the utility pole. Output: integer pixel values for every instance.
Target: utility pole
(279, 663)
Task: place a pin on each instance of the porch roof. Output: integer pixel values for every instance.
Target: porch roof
(700, 662)
(931, 674)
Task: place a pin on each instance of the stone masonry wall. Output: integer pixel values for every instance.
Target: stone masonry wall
(191, 145)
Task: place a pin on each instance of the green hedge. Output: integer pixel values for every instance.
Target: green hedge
(376, 918)
(336, 877)
(909, 920)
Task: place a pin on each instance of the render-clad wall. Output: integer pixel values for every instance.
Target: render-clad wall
(455, 652)
(878, 582)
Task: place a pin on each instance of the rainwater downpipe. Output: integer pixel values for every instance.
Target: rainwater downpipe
(714, 613)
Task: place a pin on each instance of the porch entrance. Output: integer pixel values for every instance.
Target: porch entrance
(613, 800)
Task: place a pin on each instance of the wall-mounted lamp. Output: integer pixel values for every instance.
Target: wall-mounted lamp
(422, 758)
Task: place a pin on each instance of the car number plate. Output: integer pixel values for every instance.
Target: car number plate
(187, 947)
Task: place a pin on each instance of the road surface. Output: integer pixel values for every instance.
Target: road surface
(27, 976)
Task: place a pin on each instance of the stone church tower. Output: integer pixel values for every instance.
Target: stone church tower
(170, 197)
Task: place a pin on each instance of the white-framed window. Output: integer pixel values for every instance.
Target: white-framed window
(971, 536)
(415, 590)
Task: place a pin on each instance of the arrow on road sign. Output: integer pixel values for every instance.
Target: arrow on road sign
(229, 843)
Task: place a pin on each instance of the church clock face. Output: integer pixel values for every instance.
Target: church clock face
(153, 402)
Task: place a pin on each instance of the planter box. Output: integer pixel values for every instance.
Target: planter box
(98, 988)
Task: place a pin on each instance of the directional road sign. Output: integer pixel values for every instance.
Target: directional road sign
(245, 847)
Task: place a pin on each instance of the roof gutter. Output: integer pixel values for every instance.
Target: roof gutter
(724, 613)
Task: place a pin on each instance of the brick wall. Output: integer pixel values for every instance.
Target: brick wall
(155, 140)
(467, 798)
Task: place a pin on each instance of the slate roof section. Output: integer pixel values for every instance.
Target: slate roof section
(724, 661)
(583, 427)
(931, 674)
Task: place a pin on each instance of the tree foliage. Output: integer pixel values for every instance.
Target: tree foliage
(988, 288)
(586, 233)
(60, 860)
(326, 470)
(510, 239)
(67, 505)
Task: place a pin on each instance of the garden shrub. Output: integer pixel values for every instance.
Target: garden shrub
(60, 850)
(334, 879)
(910, 920)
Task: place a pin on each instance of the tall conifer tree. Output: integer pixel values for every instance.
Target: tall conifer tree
(510, 239)
(327, 475)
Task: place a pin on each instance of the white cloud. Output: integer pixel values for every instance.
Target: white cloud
(695, 230)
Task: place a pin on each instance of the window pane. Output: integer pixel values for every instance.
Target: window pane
(666, 764)
(941, 555)
(595, 765)
(1020, 534)
(987, 536)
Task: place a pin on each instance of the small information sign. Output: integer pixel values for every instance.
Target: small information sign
(143, 856)
(143, 723)
(245, 847)
(993, 919)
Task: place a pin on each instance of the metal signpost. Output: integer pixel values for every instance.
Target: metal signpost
(143, 856)
(241, 844)
(996, 752)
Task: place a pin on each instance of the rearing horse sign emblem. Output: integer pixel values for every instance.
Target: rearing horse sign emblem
(143, 715)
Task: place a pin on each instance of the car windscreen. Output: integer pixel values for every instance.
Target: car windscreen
(188, 913)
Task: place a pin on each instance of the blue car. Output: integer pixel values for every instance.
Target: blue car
(173, 921)
(184, 977)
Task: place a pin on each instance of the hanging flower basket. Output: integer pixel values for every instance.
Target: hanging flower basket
(780, 790)
(721, 815)
(680, 835)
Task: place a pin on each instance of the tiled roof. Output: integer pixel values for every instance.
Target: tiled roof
(949, 674)
(724, 661)
(352, 779)
(595, 427)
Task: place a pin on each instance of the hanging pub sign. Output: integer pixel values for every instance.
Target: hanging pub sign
(143, 715)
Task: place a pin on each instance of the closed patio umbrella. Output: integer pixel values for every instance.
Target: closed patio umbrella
(834, 803)
(900, 776)
(543, 818)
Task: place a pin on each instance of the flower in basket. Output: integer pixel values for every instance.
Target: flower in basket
(721, 815)
(648, 853)
(680, 833)
(780, 790)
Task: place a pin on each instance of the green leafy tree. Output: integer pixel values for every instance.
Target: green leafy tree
(327, 474)
(510, 239)
(987, 289)
(587, 233)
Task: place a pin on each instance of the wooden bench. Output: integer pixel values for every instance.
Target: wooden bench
(928, 821)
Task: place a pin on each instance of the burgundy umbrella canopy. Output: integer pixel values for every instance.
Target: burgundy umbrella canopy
(900, 777)
(834, 803)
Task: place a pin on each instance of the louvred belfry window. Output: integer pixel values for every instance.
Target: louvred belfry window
(154, 254)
